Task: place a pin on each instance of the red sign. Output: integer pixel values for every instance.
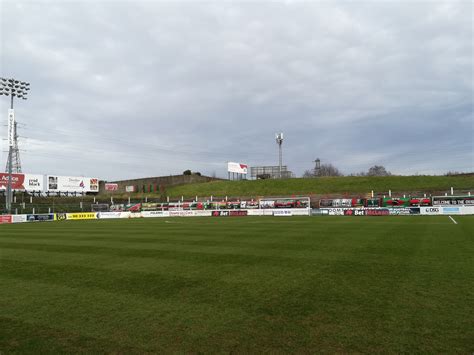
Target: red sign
(17, 181)
(111, 187)
(5, 219)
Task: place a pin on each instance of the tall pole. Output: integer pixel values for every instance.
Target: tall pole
(279, 140)
(10, 159)
(11, 87)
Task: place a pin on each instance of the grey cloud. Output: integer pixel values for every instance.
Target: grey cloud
(125, 89)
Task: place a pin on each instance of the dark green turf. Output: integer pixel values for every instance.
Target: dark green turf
(255, 284)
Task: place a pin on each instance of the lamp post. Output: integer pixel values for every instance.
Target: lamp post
(279, 141)
(13, 88)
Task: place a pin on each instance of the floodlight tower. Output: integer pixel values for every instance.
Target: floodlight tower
(13, 88)
(317, 167)
(279, 141)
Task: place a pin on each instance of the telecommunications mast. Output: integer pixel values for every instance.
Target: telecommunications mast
(279, 141)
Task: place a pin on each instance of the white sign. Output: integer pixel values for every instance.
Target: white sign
(11, 127)
(237, 168)
(72, 184)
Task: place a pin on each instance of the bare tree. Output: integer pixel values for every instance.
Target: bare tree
(324, 170)
(378, 170)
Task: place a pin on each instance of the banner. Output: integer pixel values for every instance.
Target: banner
(83, 215)
(23, 182)
(453, 200)
(19, 218)
(40, 217)
(108, 215)
(229, 213)
(72, 184)
(237, 168)
(5, 219)
(111, 187)
(282, 213)
(395, 201)
(404, 211)
(151, 214)
(129, 188)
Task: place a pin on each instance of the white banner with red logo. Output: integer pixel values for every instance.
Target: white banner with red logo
(71, 184)
(237, 168)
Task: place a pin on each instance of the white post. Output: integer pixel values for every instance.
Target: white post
(16, 210)
(424, 195)
(128, 199)
(14, 199)
(80, 205)
(31, 199)
(469, 193)
(33, 210)
(372, 193)
(445, 194)
(196, 198)
(167, 199)
(383, 196)
(403, 196)
(211, 198)
(49, 210)
(452, 191)
(24, 205)
(390, 193)
(182, 198)
(94, 199)
(226, 198)
(146, 198)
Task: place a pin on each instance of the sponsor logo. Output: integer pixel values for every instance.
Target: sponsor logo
(5, 219)
(77, 216)
(451, 210)
(60, 216)
(378, 212)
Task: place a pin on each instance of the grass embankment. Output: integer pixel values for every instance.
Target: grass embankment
(327, 185)
(258, 285)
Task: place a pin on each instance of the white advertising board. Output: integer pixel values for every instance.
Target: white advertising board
(19, 218)
(237, 168)
(151, 214)
(108, 215)
(57, 183)
(22, 182)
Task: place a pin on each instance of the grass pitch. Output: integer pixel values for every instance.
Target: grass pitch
(253, 284)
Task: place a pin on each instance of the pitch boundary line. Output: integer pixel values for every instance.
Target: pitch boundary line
(452, 219)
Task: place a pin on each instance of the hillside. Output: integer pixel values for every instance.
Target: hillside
(327, 185)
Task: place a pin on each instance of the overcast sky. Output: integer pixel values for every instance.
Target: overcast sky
(133, 89)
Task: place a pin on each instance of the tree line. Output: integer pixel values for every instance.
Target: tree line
(331, 170)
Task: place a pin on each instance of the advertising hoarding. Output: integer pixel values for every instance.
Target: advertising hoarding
(130, 188)
(5, 219)
(40, 217)
(82, 215)
(453, 200)
(57, 183)
(23, 182)
(237, 168)
(111, 187)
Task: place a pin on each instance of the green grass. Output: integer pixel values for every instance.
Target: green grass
(254, 284)
(327, 185)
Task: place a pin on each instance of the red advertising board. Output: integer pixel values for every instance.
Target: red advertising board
(17, 181)
(5, 219)
(111, 187)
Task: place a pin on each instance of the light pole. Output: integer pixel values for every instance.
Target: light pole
(279, 140)
(13, 88)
